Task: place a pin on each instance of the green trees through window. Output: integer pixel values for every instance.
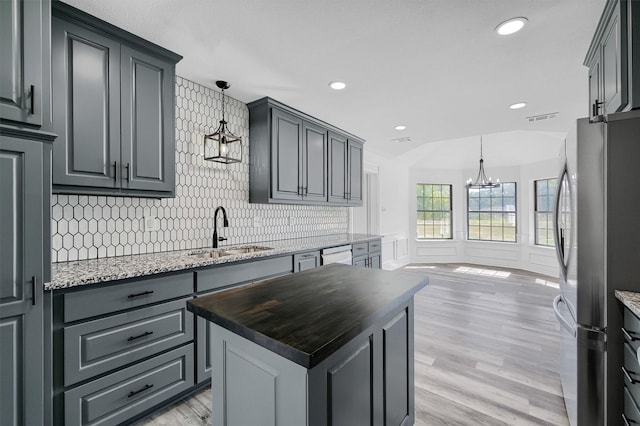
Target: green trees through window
(545, 193)
(491, 214)
(434, 211)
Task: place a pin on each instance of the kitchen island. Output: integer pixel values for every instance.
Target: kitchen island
(332, 345)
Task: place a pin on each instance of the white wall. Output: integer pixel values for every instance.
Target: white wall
(398, 217)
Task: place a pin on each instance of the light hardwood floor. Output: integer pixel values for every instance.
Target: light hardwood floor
(486, 352)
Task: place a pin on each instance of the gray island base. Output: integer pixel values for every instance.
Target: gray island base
(328, 346)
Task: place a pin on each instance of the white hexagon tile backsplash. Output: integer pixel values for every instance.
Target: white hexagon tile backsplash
(89, 227)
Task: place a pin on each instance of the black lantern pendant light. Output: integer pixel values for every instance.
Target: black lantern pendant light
(222, 146)
(481, 180)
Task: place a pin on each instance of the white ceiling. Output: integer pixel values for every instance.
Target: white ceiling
(436, 66)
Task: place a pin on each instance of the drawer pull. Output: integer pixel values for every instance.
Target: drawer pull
(34, 282)
(146, 333)
(628, 336)
(626, 421)
(132, 393)
(628, 376)
(144, 293)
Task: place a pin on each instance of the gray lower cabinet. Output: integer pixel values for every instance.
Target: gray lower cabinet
(369, 381)
(24, 266)
(368, 254)
(114, 101)
(223, 277)
(613, 59)
(125, 393)
(305, 261)
(23, 39)
(290, 158)
(121, 348)
(631, 368)
(345, 170)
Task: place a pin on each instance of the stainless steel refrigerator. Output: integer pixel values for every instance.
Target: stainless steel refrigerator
(597, 232)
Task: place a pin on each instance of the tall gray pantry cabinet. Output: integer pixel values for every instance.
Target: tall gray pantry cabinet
(25, 187)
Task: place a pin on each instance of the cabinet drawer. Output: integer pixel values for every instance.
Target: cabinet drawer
(631, 371)
(360, 249)
(210, 279)
(305, 261)
(375, 246)
(631, 411)
(97, 346)
(125, 393)
(125, 295)
(631, 329)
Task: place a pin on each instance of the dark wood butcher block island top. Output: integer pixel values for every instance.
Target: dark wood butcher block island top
(307, 316)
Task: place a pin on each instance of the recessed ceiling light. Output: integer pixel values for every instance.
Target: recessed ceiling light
(337, 85)
(518, 105)
(401, 127)
(511, 26)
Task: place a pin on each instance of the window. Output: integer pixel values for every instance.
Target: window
(491, 214)
(545, 193)
(434, 211)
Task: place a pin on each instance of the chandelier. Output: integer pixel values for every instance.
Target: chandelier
(481, 180)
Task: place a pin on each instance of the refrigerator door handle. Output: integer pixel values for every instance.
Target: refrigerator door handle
(563, 322)
(559, 232)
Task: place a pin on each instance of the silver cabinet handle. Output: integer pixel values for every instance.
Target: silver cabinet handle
(628, 376)
(628, 336)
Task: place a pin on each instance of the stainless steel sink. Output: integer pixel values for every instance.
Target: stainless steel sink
(217, 253)
(210, 254)
(246, 249)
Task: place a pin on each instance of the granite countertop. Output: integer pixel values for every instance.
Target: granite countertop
(630, 299)
(82, 272)
(307, 316)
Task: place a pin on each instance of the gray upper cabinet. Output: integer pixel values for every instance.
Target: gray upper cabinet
(114, 102)
(87, 121)
(614, 60)
(299, 158)
(148, 145)
(291, 158)
(24, 260)
(22, 28)
(286, 153)
(345, 170)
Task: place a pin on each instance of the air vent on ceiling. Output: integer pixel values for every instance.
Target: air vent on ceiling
(404, 139)
(542, 117)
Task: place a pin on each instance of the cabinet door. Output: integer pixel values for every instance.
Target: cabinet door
(613, 86)
(147, 108)
(286, 156)
(314, 162)
(595, 99)
(22, 169)
(337, 168)
(305, 261)
(355, 173)
(86, 107)
(374, 261)
(21, 26)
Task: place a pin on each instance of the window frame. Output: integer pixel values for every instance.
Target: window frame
(490, 211)
(449, 211)
(549, 212)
